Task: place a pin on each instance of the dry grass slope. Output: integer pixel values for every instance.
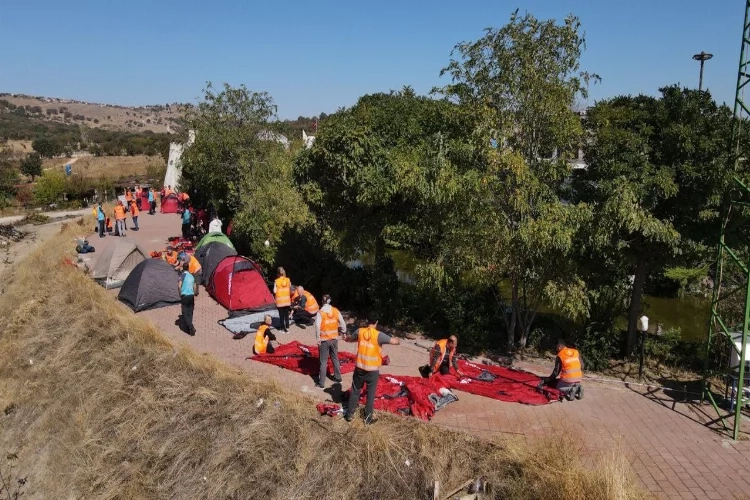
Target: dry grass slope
(109, 167)
(103, 406)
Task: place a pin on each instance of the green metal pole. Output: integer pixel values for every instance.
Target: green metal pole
(740, 69)
(741, 377)
(714, 311)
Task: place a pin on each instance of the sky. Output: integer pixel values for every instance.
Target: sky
(319, 56)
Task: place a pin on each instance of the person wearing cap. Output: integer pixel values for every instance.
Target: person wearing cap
(367, 371)
(328, 324)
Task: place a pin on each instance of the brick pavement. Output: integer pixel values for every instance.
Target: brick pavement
(671, 447)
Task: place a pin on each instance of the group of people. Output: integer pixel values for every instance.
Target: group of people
(133, 205)
(301, 305)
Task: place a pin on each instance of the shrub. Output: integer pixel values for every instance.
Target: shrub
(50, 187)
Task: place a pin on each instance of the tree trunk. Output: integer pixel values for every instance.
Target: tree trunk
(635, 303)
(513, 314)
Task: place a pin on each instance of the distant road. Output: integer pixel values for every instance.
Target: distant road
(12, 219)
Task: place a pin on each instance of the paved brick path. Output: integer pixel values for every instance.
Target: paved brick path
(671, 447)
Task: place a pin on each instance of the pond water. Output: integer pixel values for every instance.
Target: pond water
(689, 314)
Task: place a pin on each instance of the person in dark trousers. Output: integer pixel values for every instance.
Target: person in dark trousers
(282, 292)
(443, 358)
(186, 218)
(264, 338)
(567, 375)
(101, 218)
(188, 290)
(328, 324)
(304, 307)
(151, 201)
(367, 371)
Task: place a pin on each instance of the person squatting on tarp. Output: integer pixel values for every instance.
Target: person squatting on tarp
(442, 357)
(186, 219)
(328, 323)
(568, 372)
(367, 371)
(264, 337)
(304, 307)
(282, 292)
(188, 290)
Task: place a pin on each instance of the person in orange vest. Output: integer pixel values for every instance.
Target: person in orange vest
(264, 338)
(120, 218)
(282, 292)
(194, 267)
(304, 307)
(442, 357)
(328, 324)
(128, 196)
(567, 375)
(134, 214)
(171, 256)
(367, 371)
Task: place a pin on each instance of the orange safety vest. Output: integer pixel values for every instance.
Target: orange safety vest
(368, 350)
(128, 196)
(443, 344)
(311, 305)
(171, 258)
(119, 212)
(261, 341)
(283, 288)
(571, 365)
(134, 210)
(329, 324)
(193, 266)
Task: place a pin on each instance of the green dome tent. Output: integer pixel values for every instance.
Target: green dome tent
(214, 237)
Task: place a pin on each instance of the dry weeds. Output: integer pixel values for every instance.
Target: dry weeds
(109, 167)
(104, 406)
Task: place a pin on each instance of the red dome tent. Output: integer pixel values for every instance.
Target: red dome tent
(238, 284)
(170, 204)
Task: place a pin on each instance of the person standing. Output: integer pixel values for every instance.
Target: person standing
(151, 201)
(134, 214)
(264, 337)
(186, 217)
(188, 290)
(328, 323)
(367, 371)
(282, 292)
(101, 219)
(120, 218)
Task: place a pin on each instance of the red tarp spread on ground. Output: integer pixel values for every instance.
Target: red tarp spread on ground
(304, 359)
(514, 386)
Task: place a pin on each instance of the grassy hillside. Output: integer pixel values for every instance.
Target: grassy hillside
(99, 404)
(111, 167)
(112, 117)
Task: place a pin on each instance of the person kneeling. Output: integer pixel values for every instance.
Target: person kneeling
(442, 358)
(264, 338)
(567, 374)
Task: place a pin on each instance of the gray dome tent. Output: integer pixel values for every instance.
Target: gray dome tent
(210, 255)
(117, 261)
(153, 283)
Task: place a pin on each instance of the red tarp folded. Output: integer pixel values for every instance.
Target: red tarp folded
(514, 386)
(304, 359)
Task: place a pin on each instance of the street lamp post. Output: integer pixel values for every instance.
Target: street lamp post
(702, 57)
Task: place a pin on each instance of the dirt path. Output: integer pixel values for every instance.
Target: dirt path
(12, 219)
(16, 251)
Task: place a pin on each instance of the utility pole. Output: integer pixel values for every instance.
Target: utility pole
(702, 57)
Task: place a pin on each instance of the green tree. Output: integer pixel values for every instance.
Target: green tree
(522, 80)
(50, 187)
(47, 148)
(32, 165)
(237, 165)
(658, 169)
(8, 174)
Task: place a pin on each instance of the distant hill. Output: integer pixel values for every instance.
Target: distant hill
(158, 118)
